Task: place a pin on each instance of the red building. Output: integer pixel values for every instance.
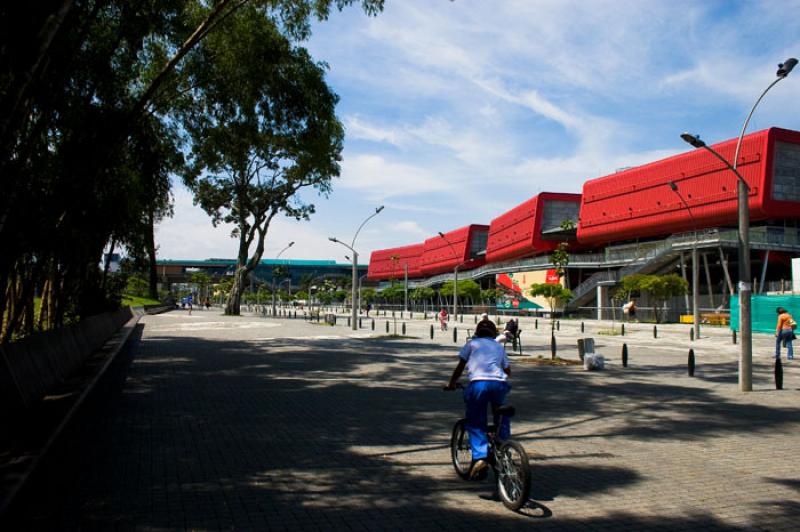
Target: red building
(462, 247)
(640, 202)
(391, 263)
(518, 232)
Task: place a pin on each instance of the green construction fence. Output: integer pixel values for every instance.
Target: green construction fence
(763, 311)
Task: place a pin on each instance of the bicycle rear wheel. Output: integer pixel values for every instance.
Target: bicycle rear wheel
(460, 450)
(513, 474)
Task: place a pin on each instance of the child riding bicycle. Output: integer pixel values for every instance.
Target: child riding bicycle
(488, 369)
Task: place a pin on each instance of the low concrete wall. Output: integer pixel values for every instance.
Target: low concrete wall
(33, 367)
(157, 309)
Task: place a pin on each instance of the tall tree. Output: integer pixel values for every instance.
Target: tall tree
(263, 129)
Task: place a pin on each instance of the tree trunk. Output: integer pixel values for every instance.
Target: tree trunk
(151, 255)
(234, 303)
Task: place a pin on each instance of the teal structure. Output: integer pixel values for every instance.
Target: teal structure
(763, 311)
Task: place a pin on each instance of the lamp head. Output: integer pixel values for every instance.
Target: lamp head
(673, 185)
(290, 244)
(693, 140)
(379, 209)
(786, 67)
(441, 234)
(333, 239)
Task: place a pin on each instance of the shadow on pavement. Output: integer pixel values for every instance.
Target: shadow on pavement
(208, 434)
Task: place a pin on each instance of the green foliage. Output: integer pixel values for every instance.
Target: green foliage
(301, 294)
(393, 294)
(659, 287)
(368, 295)
(137, 286)
(92, 97)
(423, 293)
(492, 294)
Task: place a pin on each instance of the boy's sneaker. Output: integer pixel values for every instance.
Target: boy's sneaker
(478, 467)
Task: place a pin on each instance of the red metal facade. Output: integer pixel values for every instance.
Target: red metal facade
(639, 202)
(390, 263)
(457, 248)
(518, 232)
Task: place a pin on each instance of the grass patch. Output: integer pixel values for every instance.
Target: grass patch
(135, 301)
(541, 361)
(609, 332)
(395, 337)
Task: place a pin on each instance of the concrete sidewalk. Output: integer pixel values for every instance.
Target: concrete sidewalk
(216, 422)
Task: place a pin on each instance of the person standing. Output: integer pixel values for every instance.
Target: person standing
(784, 333)
(488, 369)
(443, 317)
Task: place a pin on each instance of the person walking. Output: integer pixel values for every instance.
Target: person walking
(443, 317)
(488, 369)
(784, 333)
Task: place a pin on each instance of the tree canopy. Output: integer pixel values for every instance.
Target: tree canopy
(91, 98)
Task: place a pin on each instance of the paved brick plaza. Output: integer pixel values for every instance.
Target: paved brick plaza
(210, 422)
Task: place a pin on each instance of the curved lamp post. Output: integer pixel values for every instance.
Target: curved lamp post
(273, 276)
(745, 318)
(695, 265)
(455, 277)
(351, 247)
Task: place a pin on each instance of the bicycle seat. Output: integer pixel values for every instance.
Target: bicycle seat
(506, 410)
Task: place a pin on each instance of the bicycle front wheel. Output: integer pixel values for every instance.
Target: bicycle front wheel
(460, 450)
(513, 475)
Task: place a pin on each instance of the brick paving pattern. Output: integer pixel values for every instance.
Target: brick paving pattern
(218, 423)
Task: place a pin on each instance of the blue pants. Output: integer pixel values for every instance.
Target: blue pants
(478, 395)
(785, 334)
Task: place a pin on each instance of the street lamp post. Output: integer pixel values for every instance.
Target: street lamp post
(695, 265)
(354, 282)
(455, 278)
(745, 318)
(273, 276)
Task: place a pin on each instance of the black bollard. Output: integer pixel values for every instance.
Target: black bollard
(425, 315)
(373, 324)
(404, 328)
(734, 336)
(582, 328)
(469, 333)
(348, 321)
(359, 322)
(410, 314)
(461, 318)
(401, 314)
(553, 346)
(691, 334)
(624, 355)
(778, 373)
(558, 325)
(387, 326)
(691, 362)
(623, 329)
(655, 331)
(475, 318)
(431, 332)
(455, 334)
(536, 323)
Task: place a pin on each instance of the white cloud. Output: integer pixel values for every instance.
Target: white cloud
(379, 179)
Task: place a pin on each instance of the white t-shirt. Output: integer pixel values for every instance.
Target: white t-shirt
(485, 359)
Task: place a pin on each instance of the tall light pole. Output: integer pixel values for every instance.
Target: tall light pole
(351, 247)
(695, 265)
(745, 288)
(273, 275)
(455, 277)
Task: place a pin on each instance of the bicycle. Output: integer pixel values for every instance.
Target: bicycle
(508, 459)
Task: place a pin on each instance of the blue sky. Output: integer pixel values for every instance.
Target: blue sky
(457, 111)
